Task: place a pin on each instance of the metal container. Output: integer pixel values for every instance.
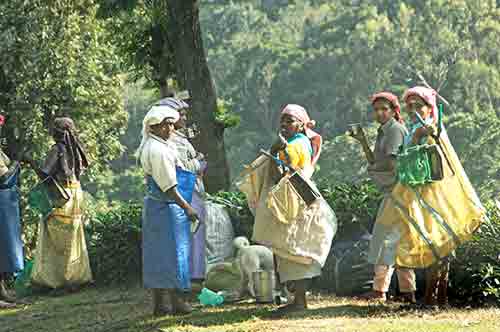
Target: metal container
(264, 283)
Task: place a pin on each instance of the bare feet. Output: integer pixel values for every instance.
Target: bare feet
(7, 305)
(374, 296)
(408, 298)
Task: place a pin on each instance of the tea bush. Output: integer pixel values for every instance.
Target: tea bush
(114, 243)
(475, 272)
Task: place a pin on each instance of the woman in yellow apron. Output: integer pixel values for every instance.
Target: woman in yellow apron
(431, 219)
(61, 258)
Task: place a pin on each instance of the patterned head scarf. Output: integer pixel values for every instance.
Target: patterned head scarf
(174, 103)
(64, 132)
(393, 100)
(156, 115)
(427, 94)
(299, 113)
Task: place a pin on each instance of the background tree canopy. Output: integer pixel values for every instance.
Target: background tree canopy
(57, 61)
(329, 56)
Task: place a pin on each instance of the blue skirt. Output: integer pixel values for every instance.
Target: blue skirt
(11, 246)
(166, 245)
(166, 236)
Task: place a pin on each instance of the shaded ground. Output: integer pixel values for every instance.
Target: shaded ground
(106, 310)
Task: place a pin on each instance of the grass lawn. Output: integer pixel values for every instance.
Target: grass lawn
(106, 310)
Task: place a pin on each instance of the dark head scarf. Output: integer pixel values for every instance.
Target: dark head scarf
(64, 132)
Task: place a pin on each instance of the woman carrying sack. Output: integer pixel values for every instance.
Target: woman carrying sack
(301, 242)
(434, 217)
(61, 258)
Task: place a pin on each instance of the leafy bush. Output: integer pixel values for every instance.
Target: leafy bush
(355, 205)
(241, 216)
(114, 243)
(475, 273)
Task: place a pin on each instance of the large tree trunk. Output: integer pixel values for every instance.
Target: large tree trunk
(185, 37)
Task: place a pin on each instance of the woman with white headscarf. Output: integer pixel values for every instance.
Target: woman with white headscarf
(166, 215)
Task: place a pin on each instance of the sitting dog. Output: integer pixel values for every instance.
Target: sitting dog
(252, 258)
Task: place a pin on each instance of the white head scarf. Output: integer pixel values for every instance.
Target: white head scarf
(156, 115)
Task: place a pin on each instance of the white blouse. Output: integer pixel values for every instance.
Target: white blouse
(158, 160)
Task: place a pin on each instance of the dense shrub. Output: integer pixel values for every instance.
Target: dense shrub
(114, 243)
(475, 273)
(355, 205)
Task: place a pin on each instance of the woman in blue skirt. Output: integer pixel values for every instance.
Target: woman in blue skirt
(167, 214)
(11, 246)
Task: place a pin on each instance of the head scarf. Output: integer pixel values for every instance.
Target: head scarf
(393, 100)
(174, 103)
(299, 113)
(156, 115)
(427, 94)
(64, 132)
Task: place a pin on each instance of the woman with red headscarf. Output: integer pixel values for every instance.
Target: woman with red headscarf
(434, 217)
(382, 169)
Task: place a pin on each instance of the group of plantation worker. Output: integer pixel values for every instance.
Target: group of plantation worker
(417, 226)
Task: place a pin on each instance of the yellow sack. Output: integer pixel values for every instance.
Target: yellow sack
(253, 179)
(284, 202)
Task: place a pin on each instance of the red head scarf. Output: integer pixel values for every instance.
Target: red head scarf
(393, 99)
(427, 94)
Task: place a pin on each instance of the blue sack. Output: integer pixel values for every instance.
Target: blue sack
(186, 182)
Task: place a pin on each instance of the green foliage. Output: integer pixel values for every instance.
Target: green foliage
(114, 243)
(237, 208)
(56, 61)
(355, 205)
(475, 274)
(330, 56)
(139, 32)
(225, 116)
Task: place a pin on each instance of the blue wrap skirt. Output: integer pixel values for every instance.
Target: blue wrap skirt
(166, 236)
(11, 245)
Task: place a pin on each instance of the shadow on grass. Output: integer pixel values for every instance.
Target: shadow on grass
(242, 315)
(103, 310)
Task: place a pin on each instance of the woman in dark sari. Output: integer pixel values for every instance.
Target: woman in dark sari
(61, 258)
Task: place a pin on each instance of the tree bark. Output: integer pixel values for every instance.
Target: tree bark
(192, 70)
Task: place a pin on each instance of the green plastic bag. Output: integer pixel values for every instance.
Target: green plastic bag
(419, 165)
(413, 166)
(47, 195)
(22, 285)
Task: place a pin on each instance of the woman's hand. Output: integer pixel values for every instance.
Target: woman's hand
(191, 213)
(358, 134)
(423, 132)
(279, 145)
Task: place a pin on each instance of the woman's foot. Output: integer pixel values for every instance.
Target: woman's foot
(300, 300)
(408, 298)
(179, 305)
(374, 296)
(7, 305)
(4, 294)
(160, 305)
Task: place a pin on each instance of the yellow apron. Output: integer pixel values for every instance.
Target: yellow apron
(435, 218)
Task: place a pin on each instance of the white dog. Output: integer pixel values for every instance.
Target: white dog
(252, 258)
